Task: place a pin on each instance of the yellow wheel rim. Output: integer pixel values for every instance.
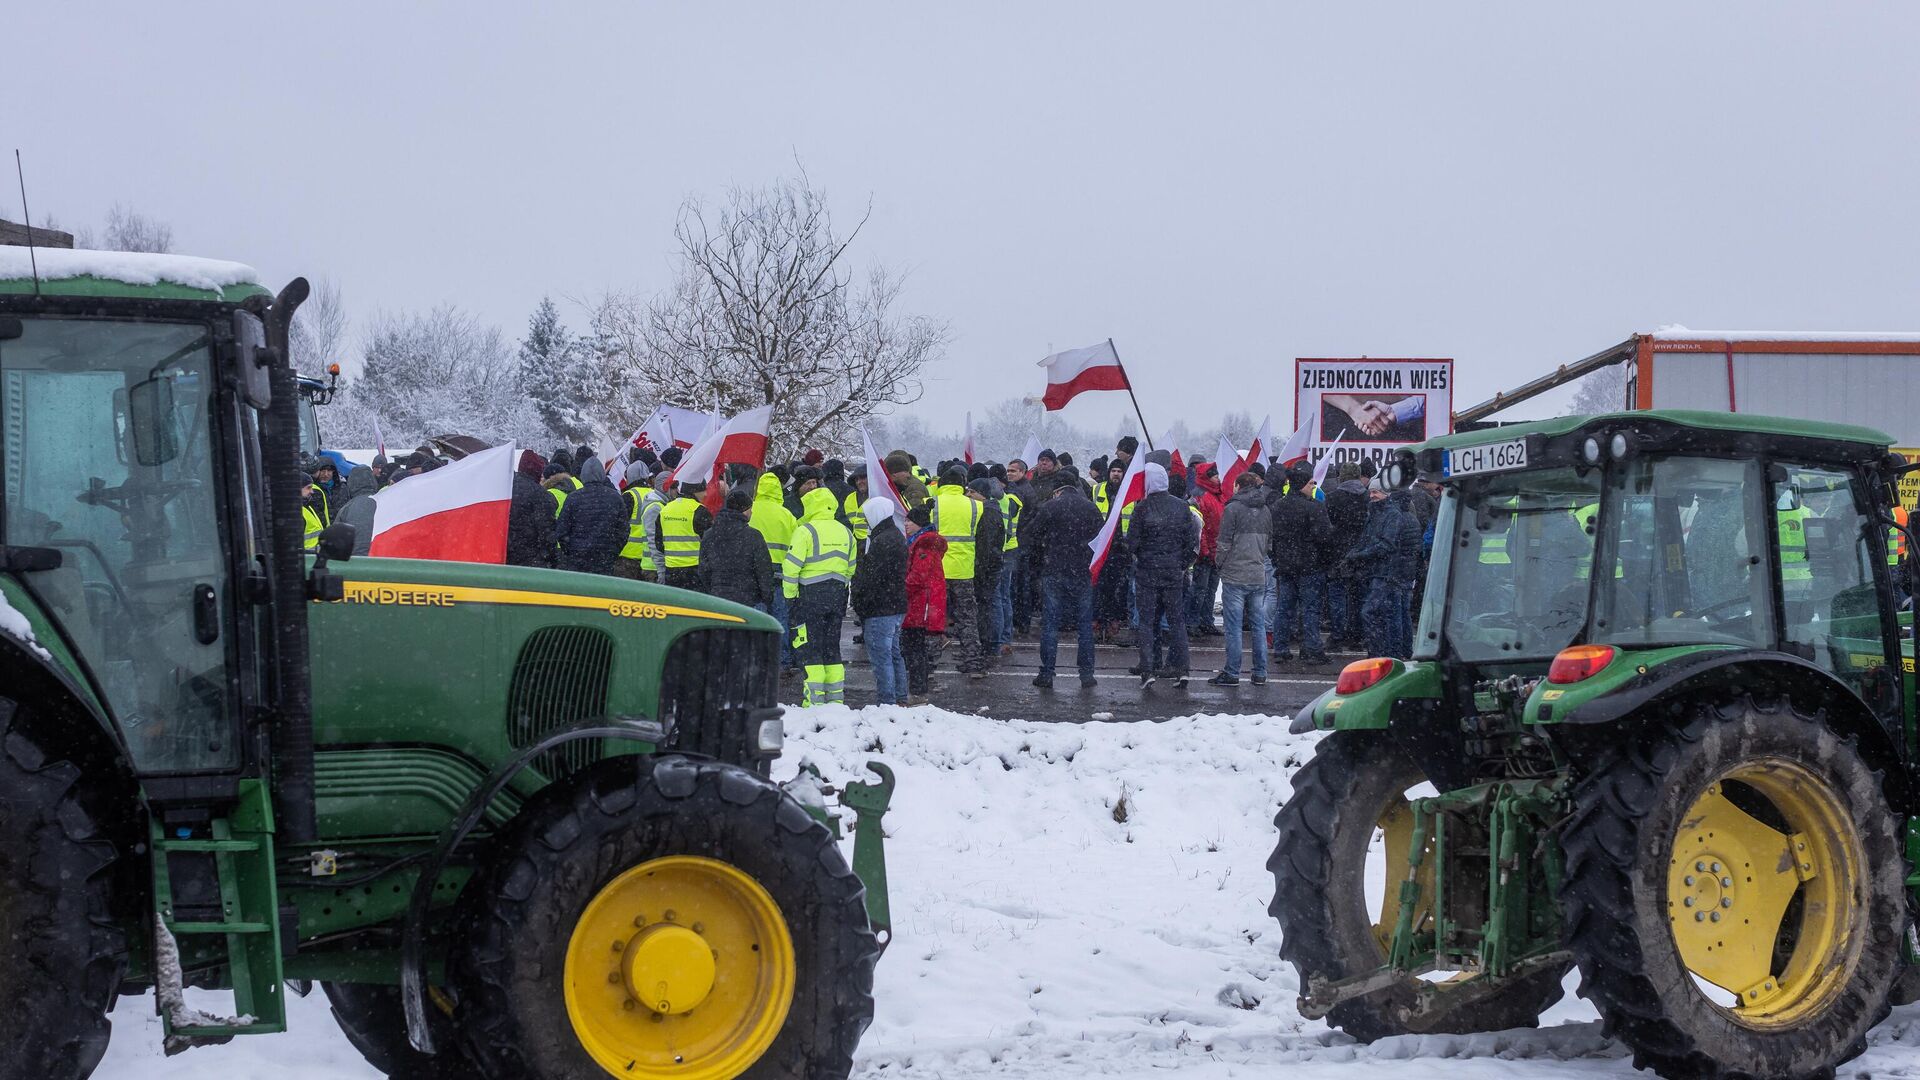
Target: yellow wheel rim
(1396, 837)
(680, 967)
(1768, 910)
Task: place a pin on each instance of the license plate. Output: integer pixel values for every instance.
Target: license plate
(1493, 457)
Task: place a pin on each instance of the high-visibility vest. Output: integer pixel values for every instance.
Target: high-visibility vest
(957, 519)
(1897, 538)
(561, 491)
(679, 544)
(922, 475)
(636, 545)
(1010, 509)
(774, 522)
(326, 507)
(821, 552)
(1792, 529)
(856, 520)
(314, 525)
(1100, 497)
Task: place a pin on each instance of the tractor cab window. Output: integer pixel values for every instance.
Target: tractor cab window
(1827, 587)
(1683, 555)
(1515, 586)
(107, 458)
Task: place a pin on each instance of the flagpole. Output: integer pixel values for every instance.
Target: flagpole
(1144, 432)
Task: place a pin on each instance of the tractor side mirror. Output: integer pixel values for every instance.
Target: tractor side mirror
(150, 421)
(255, 361)
(336, 541)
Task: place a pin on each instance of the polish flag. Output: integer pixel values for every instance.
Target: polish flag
(456, 513)
(1176, 465)
(880, 482)
(1262, 443)
(740, 441)
(1076, 371)
(1326, 462)
(1031, 453)
(379, 440)
(681, 427)
(966, 448)
(1133, 488)
(1296, 448)
(1223, 458)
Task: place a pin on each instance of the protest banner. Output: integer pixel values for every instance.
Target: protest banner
(1371, 407)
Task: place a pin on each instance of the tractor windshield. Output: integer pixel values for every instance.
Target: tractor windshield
(1515, 587)
(1686, 539)
(107, 458)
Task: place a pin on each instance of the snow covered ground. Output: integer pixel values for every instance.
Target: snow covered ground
(1069, 901)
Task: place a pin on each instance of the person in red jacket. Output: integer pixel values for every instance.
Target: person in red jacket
(926, 602)
(1206, 573)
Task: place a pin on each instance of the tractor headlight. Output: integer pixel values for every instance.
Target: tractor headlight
(1590, 450)
(771, 736)
(1618, 447)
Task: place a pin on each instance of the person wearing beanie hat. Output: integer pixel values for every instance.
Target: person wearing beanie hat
(638, 560)
(814, 457)
(734, 562)
(530, 515)
(958, 517)
(1055, 541)
(1383, 557)
(1163, 538)
(989, 565)
(670, 457)
(1302, 535)
(880, 600)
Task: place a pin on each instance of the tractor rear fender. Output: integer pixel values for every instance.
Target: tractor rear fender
(1408, 686)
(1655, 690)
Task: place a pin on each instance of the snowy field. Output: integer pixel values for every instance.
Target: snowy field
(1040, 935)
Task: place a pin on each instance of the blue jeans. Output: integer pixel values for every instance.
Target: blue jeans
(1298, 597)
(1239, 605)
(1206, 579)
(1003, 603)
(1342, 608)
(1024, 598)
(1063, 597)
(1385, 617)
(779, 614)
(1163, 620)
(889, 663)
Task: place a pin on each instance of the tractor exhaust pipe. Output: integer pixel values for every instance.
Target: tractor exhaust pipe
(293, 716)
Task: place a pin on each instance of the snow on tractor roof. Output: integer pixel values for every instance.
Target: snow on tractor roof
(60, 269)
(1681, 333)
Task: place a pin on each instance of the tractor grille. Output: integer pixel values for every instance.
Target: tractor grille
(714, 689)
(560, 679)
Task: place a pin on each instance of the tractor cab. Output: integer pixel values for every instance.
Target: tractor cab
(1590, 540)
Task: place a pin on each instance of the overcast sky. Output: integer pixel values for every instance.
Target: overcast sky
(1220, 188)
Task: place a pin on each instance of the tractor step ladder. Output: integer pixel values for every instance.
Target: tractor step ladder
(241, 845)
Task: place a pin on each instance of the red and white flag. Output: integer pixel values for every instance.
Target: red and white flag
(1262, 445)
(1031, 453)
(379, 440)
(1223, 458)
(1175, 465)
(675, 426)
(1133, 488)
(880, 482)
(966, 448)
(740, 441)
(1076, 371)
(456, 513)
(1326, 461)
(1297, 445)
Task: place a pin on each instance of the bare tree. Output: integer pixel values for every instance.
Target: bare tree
(765, 311)
(1604, 391)
(444, 372)
(319, 333)
(128, 230)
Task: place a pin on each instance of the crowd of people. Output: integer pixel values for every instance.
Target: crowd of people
(978, 555)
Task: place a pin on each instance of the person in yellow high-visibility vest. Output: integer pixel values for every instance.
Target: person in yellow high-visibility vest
(814, 579)
(956, 517)
(1796, 573)
(850, 507)
(310, 518)
(1011, 507)
(636, 562)
(775, 524)
(679, 525)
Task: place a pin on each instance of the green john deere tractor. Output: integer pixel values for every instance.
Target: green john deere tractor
(1654, 726)
(513, 822)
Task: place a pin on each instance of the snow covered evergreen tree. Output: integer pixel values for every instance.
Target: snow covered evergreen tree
(553, 373)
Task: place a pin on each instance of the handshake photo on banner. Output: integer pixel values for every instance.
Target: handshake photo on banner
(1395, 418)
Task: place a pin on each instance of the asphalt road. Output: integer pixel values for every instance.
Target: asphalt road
(1008, 689)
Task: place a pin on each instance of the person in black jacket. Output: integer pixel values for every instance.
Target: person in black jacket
(1163, 539)
(1347, 513)
(592, 527)
(1301, 536)
(734, 561)
(530, 516)
(989, 557)
(1055, 538)
(360, 500)
(880, 600)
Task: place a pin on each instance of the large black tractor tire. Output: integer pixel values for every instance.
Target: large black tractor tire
(63, 953)
(586, 846)
(373, 1020)
(1319, 895)
(1649, 875)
